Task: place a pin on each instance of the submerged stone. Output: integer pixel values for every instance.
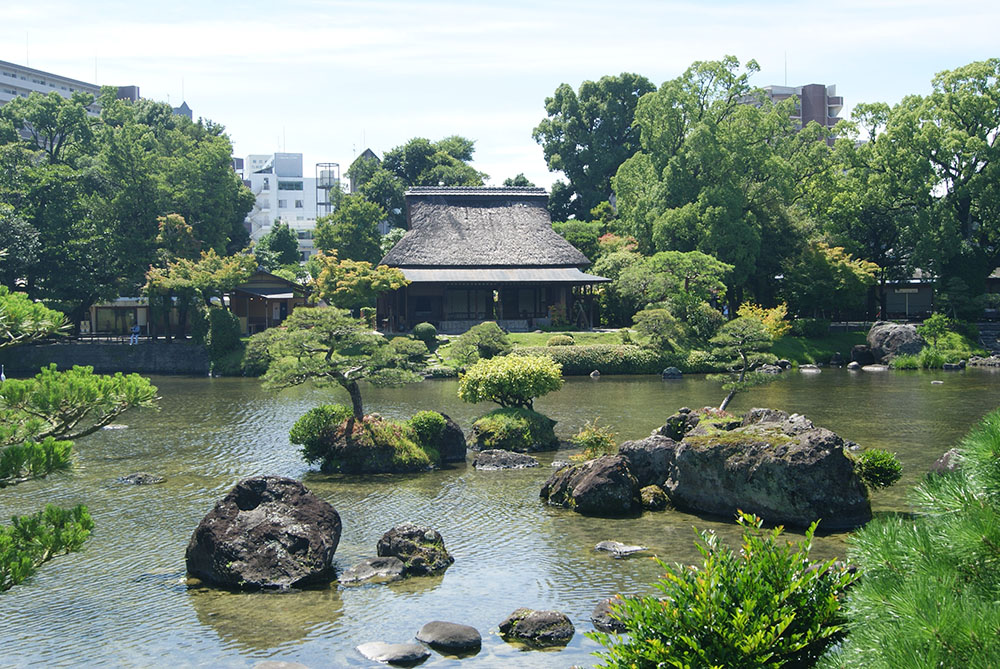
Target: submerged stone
(540, 628)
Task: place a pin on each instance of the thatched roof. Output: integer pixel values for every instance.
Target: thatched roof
(481, 227)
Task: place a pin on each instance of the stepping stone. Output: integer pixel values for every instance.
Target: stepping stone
(541, 628)
(618, 549)
(375, 570)
(404, 654)
(452, 637)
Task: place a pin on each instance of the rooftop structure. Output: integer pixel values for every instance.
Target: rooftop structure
(816, 102)
(21, 81)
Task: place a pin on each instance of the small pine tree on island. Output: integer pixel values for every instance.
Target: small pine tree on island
(741, 345)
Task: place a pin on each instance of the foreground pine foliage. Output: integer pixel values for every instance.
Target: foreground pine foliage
(930, 588)
(30, 541)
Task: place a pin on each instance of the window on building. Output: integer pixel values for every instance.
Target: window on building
(298, 204)
(267, 184)
(282, 204)
(289, 185)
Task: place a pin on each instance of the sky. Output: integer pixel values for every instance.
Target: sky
(329, 79)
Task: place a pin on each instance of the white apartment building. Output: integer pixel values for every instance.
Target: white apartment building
(284, 194)
(20, 81)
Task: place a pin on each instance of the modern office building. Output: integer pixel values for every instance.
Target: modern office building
(20, 81)
(816, 102)
(284, 194)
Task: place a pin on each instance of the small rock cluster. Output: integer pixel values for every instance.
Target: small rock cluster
(405, 550)
(451, 639)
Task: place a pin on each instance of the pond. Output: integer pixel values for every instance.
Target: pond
(125, 601)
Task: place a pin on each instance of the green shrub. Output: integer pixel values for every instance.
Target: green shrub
(878, 468)
(375, 445)
(224, 345)
(429, 427)
(483, 341)
(810, 328)
(510, 381)
(199, 325)
(413, 350)
(660, 326)
(426, 333)
(515, 429)
(626, 336)
(560, 340)
(596, 440)
(928, 595)
(581, 360)
(931, 358)
(230, 364)
(28, 460)
(368, 316)
(441, 372)
(317, 428)
(767, 605)
(256, 354)
(905, 361)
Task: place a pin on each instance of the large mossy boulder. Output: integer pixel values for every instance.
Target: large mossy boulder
(537, 628)
(603, 486)
(375, 445)
(452, 446)
(515, 429)
(268, 532)
(650, 460)
(887, 339)
(782, 468)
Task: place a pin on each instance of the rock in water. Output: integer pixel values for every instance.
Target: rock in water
(453, 445)
(374, 570)
(603, 618)
(450, 637)
(142, 478)
(603, 486)
(420, 548)
(787, 472)
(887, 339)
(650, 460)
(497, 458)
(618, 549)
(541, 628)
(268, 532)
(407, 654)
(653, 498)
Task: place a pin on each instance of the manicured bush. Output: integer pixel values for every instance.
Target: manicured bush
(609, 359)
(878, 468)
(426, 333)
(483, 341)
(223, 333)
(560, 340)
(413, 350)
(515, 429)
(595, 440)
(429, 427)
(510, 381)
(810, 328)
(375, 445)
(766, 605)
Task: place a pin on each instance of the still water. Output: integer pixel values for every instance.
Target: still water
(124, 601)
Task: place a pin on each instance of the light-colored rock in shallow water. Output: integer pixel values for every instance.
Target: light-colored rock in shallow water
(854, 365)
(541, 628)
(450, 637)
(374, 570)
(279, 664)
(809, 369)
(497, 458)
(394, 653)
(875, 368)
(618, 549)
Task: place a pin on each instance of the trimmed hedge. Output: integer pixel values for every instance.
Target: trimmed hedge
(623, 359)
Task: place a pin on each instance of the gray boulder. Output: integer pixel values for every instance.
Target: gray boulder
(603, 618)
(450, 637)
(603, 486)
(497, 458)
(889, 339)
(540, 628)
(619, 550)
(949, 462)
(679, 424)
(407, 654)
(854, 366)
(650, 460)
(268, 532)
(374, 570)
(671, 373)
(453, 445)
(420, 548)
(788, 472)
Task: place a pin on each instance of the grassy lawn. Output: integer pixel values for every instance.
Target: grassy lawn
(811, 351)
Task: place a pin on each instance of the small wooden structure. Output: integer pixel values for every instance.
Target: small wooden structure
(264, 301)
(476, 254)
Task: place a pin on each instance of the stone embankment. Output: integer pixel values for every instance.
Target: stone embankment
(148, 357)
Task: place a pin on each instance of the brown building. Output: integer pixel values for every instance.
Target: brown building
(264, 301)
(482, 254)
(816, 102)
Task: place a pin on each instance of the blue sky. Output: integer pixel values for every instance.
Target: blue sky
(328, 79)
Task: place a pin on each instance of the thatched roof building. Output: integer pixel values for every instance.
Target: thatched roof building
(474, 254)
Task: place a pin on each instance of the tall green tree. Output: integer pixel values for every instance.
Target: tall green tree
(352, 230)
(718, 168)
(587, 135)
(282, 243)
